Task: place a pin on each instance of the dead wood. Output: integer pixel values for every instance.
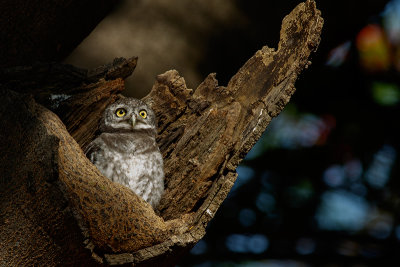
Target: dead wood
(57, 209)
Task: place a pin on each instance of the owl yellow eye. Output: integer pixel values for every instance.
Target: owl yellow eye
(120, 112)
(143, 114)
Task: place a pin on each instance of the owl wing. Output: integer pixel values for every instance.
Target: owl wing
(93, 150)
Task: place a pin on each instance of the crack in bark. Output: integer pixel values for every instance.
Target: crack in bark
(203, 134)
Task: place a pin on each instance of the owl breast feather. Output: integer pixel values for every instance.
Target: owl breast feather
(131, 162)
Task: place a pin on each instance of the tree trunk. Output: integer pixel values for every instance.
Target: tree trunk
(56, 208)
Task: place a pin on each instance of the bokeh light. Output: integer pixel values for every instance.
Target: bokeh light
(339, 54)
(320, 187)
(373, 48)
(385, 94)
(378, 173)
(342, 210)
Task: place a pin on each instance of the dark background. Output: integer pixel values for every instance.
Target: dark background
(321, 186)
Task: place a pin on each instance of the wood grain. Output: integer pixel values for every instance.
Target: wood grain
(51, 194)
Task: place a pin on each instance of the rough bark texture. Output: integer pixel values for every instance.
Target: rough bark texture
(77, 96)
(55, 206)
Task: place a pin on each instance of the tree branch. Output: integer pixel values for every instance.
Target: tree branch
(52, 193)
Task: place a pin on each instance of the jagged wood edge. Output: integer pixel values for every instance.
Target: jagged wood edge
(269, 105)
(78, 96)
(51, 78)
(189, 228)
(268, 100)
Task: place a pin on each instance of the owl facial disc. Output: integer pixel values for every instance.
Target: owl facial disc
(126, 151)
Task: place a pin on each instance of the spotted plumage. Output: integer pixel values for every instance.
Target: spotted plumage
(126, 151)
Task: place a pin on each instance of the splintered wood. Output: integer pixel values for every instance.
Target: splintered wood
(74, 215)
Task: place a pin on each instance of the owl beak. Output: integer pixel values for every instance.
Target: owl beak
(133, 120)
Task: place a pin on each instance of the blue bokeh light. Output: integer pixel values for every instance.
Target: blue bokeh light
(247, 217)
(342, 210)
(199, 248)
(378, 173)
(265, 202)
(305, 246)
(239, 243)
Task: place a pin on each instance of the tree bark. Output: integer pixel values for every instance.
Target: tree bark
(56, 208)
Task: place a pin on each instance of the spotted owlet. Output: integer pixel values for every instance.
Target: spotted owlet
(126, 151)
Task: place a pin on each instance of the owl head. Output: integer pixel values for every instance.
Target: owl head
(127, 115)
